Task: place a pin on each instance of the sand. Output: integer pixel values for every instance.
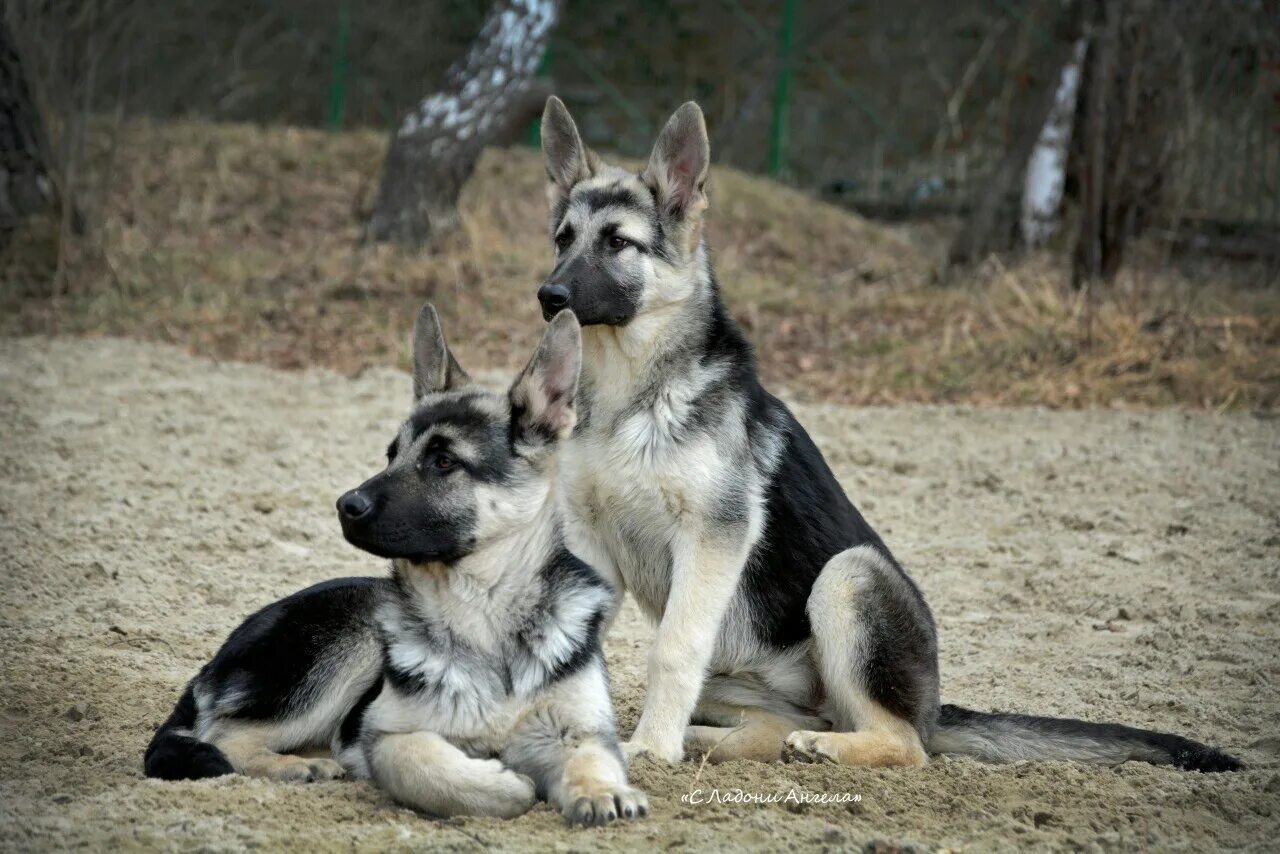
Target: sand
(1100, 564)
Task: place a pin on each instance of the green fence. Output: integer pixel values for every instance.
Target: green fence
(905, 108)
(886, 105)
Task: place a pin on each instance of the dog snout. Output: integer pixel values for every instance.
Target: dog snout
(354, 505)
(553, 297)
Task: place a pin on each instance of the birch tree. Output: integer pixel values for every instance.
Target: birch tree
(994, 224)
(487, 97)
(1047, 169)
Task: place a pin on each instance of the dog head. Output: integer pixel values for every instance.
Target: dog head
(468, 465)
(625, 243)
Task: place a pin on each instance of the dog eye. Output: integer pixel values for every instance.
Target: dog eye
(564, 239)
(443, 462)
(391, 451)
(617, 243)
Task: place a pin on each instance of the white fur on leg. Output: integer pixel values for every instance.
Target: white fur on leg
(594, 789)
(423, 771)
(704, 578)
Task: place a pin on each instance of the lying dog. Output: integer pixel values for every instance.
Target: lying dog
(471, 681)
(784, 623)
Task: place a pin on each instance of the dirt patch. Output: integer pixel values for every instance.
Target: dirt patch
(1104, 565)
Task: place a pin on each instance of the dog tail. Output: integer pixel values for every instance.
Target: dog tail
(176, 754)
(1007, 738)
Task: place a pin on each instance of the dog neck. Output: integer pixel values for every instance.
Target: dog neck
(621, 363)
(480, 597)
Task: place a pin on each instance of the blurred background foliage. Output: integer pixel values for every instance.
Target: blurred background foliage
(886, 101)
(222, 157)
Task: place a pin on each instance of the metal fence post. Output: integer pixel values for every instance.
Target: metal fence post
(338, 85)
(782, 92)
(544, 71)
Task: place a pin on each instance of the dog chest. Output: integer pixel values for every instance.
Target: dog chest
(635, 497)
(471, 686)
(454, 689)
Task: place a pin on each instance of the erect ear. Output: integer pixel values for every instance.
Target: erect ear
(568, 160)
(678, 165)
(434, 368)
(542, 397)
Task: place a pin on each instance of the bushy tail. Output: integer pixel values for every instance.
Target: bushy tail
(1008, 738)
(176, 754)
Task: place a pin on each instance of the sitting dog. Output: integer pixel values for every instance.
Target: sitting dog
(785, 626)
(471, 681)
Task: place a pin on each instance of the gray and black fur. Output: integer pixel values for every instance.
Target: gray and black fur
(472, 680)
(785, 626)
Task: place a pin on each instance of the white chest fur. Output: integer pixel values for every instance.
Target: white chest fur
(636, 477)
(457, 693)
(469, 650)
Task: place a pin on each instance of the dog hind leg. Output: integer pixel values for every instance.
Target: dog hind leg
(744, 733)
(876, 651)
(887, 741)
(248, 749)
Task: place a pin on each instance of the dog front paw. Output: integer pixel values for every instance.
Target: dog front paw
(509, 795)
(598, 805)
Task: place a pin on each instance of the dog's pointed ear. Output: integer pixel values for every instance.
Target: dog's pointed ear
(434, 368)
(679, 163)
(542, 397)
(568, 160)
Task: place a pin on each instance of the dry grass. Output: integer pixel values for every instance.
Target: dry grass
(240, 242)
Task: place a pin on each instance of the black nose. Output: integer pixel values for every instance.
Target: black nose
(553, 297)
(354, 505)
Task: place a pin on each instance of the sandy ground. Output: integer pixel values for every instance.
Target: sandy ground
(1105, 565)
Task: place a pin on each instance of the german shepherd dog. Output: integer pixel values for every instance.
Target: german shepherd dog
(472, 680)
(785, 627)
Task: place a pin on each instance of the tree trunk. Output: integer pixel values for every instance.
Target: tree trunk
(1087, 257)
(25, 186)
(992, 226)
(1127, 128)
(1047, 170)
(488, 96)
